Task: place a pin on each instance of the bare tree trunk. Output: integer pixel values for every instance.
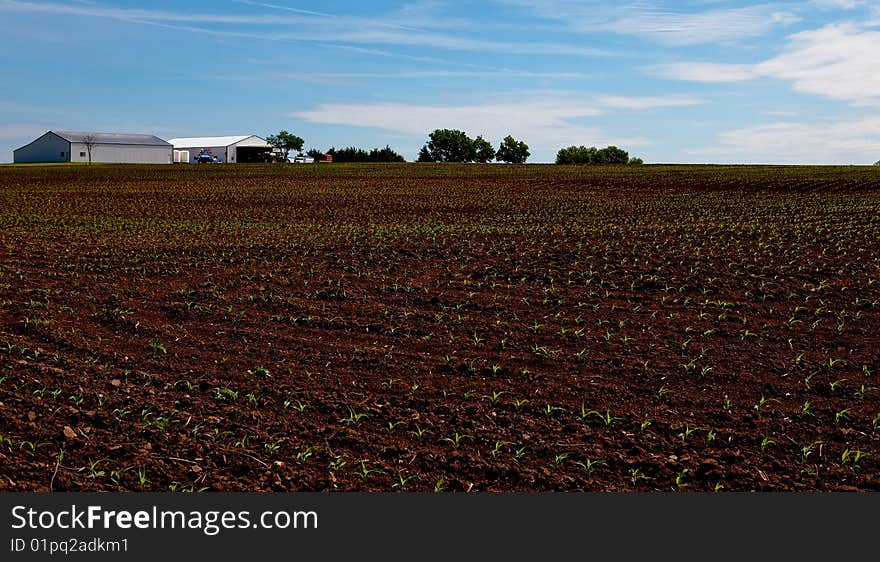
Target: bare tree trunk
(89, 141)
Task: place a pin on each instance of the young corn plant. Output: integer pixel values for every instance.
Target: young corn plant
(365, 472)
(457, 439)
(402, 480)
(852, 456)
(354, 418)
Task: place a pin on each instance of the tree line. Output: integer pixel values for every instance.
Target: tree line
(593, 155)
(453, 145)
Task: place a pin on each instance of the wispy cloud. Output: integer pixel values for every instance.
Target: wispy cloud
(348, 77)
(305, 26)
(546, 122)
(663, 21)
(704, 71)
(854, 141)
(838, 61)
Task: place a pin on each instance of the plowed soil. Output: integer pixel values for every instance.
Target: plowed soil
(439, 327)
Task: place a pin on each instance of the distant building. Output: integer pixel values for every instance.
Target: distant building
(229, 149)
(73, 146)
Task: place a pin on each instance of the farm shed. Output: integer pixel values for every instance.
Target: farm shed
(230, 149)
(72, 146)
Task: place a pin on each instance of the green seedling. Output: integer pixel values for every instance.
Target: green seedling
(589, 465)
(807, 450)
(635, 474)
(807, 409)
(496, 395)
(853, 456)
(842, 415)
(364, 472)
(457, 439)
(763, 402)
(499, 445)
(354, 418)
(157, 347)
(93, 470)
(337, 463)
(518, 403)
(561, 457)
(420, 433)
(550, 410)
(766, 442)
(836, 384)
(302, 456)
(402, 480)
(392, 426)
(686, 432)
(225, 394)
(273, 446)
(679, 479)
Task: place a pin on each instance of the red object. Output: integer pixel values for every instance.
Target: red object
(328, 158)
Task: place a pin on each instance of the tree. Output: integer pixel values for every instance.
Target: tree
(315, 153)
(483, 150)
(577, 155)
(424, 155)
(90, 141)
(614, 155)
(385, 155)
(286, 142)
(449, 145)
(877, 163)
(636, 161)
(592, 155)
(513, 151)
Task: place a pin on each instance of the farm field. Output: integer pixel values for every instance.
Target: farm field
(439, 328)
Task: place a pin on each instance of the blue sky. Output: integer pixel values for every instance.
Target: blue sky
(689, 81)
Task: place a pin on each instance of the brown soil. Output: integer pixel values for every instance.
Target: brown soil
(459, 328)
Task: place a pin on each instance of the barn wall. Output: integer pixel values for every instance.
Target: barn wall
(122, 153)
(48, 148)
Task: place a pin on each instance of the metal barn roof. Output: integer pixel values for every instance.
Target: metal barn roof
(111, 138)
(199, 142)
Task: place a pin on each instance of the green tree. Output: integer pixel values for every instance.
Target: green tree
(592, 155)
(286, 142)
(424, 155)
(614, 155)
(385, 155)
(577, 155)
(513, 151)
(483, 150)
(449, 145)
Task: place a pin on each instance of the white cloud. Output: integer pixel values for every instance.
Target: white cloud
(545, 123)
(841, 142)
(704, 71)
(296, 25)
(664, 22)
(838, 61)
(712, 26)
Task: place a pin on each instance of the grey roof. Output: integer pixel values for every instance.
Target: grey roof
(112, 138)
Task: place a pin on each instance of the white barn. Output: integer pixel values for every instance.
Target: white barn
(229, 149)
(72, 146)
